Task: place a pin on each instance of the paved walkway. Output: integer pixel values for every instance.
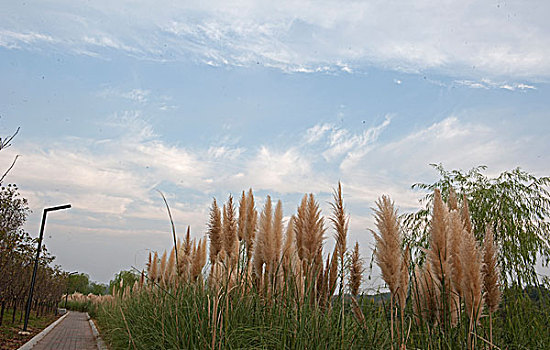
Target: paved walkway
(73, 333)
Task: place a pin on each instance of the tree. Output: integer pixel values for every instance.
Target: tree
(5, 143)
(17, 253)
(128, 278)
(516, 204)
(79, 283)
(98, 288)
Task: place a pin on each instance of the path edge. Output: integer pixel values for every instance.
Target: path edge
(31, 343)
(99, 342)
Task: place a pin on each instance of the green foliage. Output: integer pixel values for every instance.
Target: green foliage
(98, 288)
(85, 306)
(78, 283)
(194, 317)
(128, 278)
(516, 204)
(17, 254)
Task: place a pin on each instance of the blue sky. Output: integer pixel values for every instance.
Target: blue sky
(116, 100)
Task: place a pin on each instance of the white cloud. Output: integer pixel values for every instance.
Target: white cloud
(489, 84)
(469, 39)
(111, 183)
(283, 172)
(137, 95)
(225, 152)
(13, 40)
(315, 133)
(353, 146)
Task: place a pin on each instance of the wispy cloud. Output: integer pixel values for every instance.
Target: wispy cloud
(14, 40)
(489, 84)
(460, 39)
(137, 95)
(112, 182)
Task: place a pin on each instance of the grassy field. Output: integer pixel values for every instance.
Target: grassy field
(271, 287)
(194, 318)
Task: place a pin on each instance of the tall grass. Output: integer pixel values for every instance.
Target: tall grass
(263, 290)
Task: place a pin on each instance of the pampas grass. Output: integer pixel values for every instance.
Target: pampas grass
(289, 253)
(264, 240)
(275, 255)
(471, 259)
(340, 222)
(215, 232)
(388, 253)
(452, 202)
(241, 223)
(465, 214)
(355, 271)
(456, 232)
(309, 230)
(229, 232)
(490, 278)
(199, 259)
(290, 296)
(438, 253)
(251, 223)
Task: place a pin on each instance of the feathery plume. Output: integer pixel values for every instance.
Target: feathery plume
(149, 261)
(356, 271)
(229, 229)
(388, 243)
(289, 249)
(277, 233)
(438, 254)
(251, 222)
(490, 271)
(333, 273)
(162, 267)
(199, 259)
(185, 256)
(309, 230)
(187, 242)
(465, 214)
(339, 220)
(455, 228)
(215, 232)
(153, 271)
(263, 251)
(403, 280)
(452, 202)
(472, 281)
(169, 268)
(241, 224)
(425, 295)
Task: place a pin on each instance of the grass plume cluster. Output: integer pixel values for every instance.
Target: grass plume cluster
(259, 281)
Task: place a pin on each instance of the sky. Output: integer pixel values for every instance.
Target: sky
(117, 100)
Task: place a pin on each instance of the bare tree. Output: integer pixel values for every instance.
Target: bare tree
(5, 143)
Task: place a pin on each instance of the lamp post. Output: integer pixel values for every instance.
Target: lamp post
(67, 294)
(29, 300)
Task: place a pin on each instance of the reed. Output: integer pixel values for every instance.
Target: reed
(471, 259)
(284, 298)
(491, 284)
(356, 271)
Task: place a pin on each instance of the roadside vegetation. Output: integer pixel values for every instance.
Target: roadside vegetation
(455, 276)
(17, 257)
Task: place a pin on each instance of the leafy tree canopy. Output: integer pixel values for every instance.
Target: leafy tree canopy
(128, 278)
(515, 203)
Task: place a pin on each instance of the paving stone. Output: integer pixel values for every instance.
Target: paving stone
(74, 332)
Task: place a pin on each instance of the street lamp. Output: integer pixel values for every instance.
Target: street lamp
(67, 294)
(29, 301)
